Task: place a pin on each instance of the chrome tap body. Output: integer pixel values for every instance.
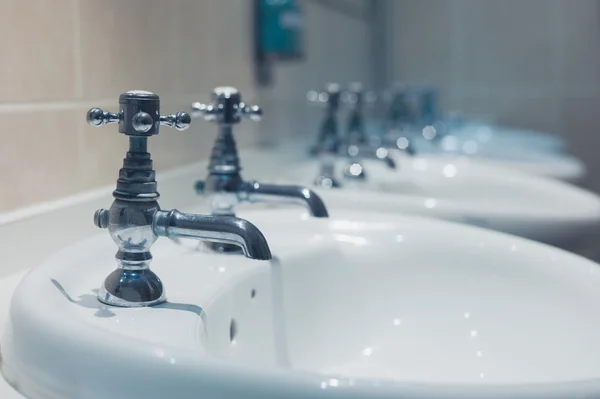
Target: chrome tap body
(358, 144)
(224, 184)
(328, 141)
(135, 220)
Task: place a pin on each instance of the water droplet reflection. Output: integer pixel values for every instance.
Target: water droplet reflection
(355, 169)
(449, 170)
(430, 203)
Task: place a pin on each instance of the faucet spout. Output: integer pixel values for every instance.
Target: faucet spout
(221, 229)
(260, 192)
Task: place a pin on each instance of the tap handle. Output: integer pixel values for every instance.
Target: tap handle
(227, 107)
(330, 97)
(139, 115)
(98, 117)
(180, 120)
(356, 96)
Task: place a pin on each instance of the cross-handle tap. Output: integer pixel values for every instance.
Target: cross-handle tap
(358, 143)
(224, 184)
(135, 220)
(356, 97)
(329, 138)
(400, 119)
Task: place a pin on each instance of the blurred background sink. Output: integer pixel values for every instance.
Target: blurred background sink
(465, 190)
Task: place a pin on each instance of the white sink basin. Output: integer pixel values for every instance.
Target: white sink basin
(468, 191)
(505, 138)
(357, 306)
(508, 154)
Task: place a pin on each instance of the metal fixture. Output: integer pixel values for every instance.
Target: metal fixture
(358, 143)
(355, 145)
(224, 185)
(135, 220)
(328, 142)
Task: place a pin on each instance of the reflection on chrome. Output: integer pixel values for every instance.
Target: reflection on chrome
(429, 132)
(381, 152)
(402, 143)
(355, 169)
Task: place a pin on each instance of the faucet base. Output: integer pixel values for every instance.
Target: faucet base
(222, 248)
(131, 288)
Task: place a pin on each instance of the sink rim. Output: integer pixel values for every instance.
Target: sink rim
(354, 387)
(467, 203)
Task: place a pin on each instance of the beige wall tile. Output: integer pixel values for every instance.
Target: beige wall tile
(132, 44)
(37, 41)
(38, 157)
(200, 69)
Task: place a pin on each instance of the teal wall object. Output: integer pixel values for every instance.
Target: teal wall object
(280, 27)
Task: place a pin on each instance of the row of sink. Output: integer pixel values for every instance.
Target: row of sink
(433, 273)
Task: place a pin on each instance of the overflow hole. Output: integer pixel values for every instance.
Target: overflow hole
(232, 330)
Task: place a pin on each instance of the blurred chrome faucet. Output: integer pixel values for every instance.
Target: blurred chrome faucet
(224, 185)
(135, 220)
(354, 145)
(328, 142)
(359, 145)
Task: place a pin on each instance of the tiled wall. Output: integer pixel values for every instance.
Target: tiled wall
(62, 57)
(337, 50)
(531, 63)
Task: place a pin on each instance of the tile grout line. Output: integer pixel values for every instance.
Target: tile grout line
(77, 50)
(81, 169)
(79, 103)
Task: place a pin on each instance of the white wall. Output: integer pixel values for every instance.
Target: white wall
(531, 63)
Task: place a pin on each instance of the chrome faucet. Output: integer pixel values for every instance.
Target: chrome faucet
(224, 185)
(328, 142)
(135, 220)
(355, 145)
(358, 143)
(410, 112)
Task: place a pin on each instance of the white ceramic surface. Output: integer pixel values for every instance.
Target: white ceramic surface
(503, 137)
(468, 191)
(356, 306)
(526, 153)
